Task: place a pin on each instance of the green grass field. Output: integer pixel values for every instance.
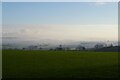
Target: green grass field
(59, 64)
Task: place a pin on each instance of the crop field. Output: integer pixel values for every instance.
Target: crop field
(59, 64)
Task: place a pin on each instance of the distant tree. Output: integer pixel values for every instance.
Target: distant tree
(23, 48)
(50, 49)
(40, 48)
(98, 46)
(80, 48)
(35, 47)
(111, 45)
(83, 48)
(59, 48)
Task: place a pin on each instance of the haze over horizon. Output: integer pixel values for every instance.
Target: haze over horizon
(83, 21)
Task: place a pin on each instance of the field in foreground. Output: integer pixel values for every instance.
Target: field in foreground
(59, 64)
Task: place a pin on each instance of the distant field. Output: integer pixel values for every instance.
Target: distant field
(59, 64)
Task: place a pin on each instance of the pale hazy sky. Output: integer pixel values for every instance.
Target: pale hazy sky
(59, 0)
(61, 21)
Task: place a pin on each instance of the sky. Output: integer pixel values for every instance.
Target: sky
(60, 0)
(83, 21)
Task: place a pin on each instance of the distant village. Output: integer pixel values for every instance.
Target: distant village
(98, 47)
